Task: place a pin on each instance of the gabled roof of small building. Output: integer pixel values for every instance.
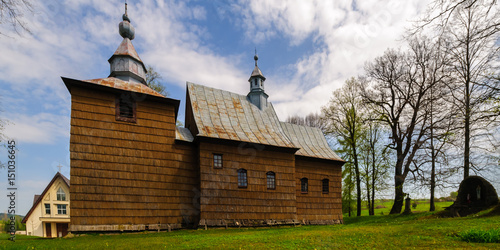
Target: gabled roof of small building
(40, 197)
(311, 141)
(225, 115)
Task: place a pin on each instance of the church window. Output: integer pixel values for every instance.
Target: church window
(125, 109)
(242, 178)
(271, 180)
(304, 187)
(326, 186)
(217, 161)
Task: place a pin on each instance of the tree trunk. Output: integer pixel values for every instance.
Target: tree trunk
(399, 195)
(358, 184)
(467, 135)
(368, 195)
(358, 177)
(372, 145)
(467, 99)
(350, 199)
(372, 208)
(433, 178)
(433, 158)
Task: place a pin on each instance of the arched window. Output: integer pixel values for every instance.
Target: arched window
(304, 187)
(271, 180)
(326, 186)
(242, 178)
(61, 195)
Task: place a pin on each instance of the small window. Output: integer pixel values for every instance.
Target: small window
(47, 208)
(125, 109)
(271, 180)
(326, 186)
(217, 161)
(242, 178)
(304, 187)
(61, 195)
(61, 209)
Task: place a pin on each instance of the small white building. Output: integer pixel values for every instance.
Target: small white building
(49, 216)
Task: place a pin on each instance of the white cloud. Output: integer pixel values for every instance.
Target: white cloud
(42, 128)
(346, 34)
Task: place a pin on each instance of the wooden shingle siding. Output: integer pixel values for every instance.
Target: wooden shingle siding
(222, 201)
(316, 207)
(128, 173)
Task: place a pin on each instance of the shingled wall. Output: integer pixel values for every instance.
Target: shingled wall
(316, 207)
(224, 203)
(128, 176)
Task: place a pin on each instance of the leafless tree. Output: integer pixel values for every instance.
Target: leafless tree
(471, 29)
(311, 120)
(399, 94)
(12, 12)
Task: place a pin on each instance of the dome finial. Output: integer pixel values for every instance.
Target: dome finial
(126, 29)
(125, 16)
(256, 57)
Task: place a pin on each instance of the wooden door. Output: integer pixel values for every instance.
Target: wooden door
(48, 230)
(62, 229)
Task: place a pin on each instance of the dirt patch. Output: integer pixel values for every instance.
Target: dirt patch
(380, 206)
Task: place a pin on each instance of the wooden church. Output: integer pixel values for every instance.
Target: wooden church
(233, 164)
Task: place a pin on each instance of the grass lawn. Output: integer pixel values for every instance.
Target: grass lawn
(419, 230)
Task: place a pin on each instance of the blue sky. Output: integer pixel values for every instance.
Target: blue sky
(307, 49)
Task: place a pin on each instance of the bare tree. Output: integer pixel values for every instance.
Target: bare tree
(343, 119)
(471, 28)
(399, 95)
(312, 120)
(12, 12)
(376, 160)
(153, 80)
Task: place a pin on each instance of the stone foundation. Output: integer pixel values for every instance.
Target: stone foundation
(263, 223)
(122, 228)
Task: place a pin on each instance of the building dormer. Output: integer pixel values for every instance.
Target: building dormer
(257, 96)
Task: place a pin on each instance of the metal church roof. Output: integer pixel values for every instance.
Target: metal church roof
(225, 115)
(311, 141)
(222, 114)
(126, 48)
(124, 85)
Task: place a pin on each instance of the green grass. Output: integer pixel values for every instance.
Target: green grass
(478, 235)
(418, 230)
(385, 207)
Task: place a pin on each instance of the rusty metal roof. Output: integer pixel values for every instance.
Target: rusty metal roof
(311, 141)
(123, 85)
(126, 48)
(225, 115)
(183, 134)
(256, 72)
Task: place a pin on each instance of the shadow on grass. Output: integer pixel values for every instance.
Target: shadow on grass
(381, 219)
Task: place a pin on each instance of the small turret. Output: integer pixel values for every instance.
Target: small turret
(257, 95)
(125, 62)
